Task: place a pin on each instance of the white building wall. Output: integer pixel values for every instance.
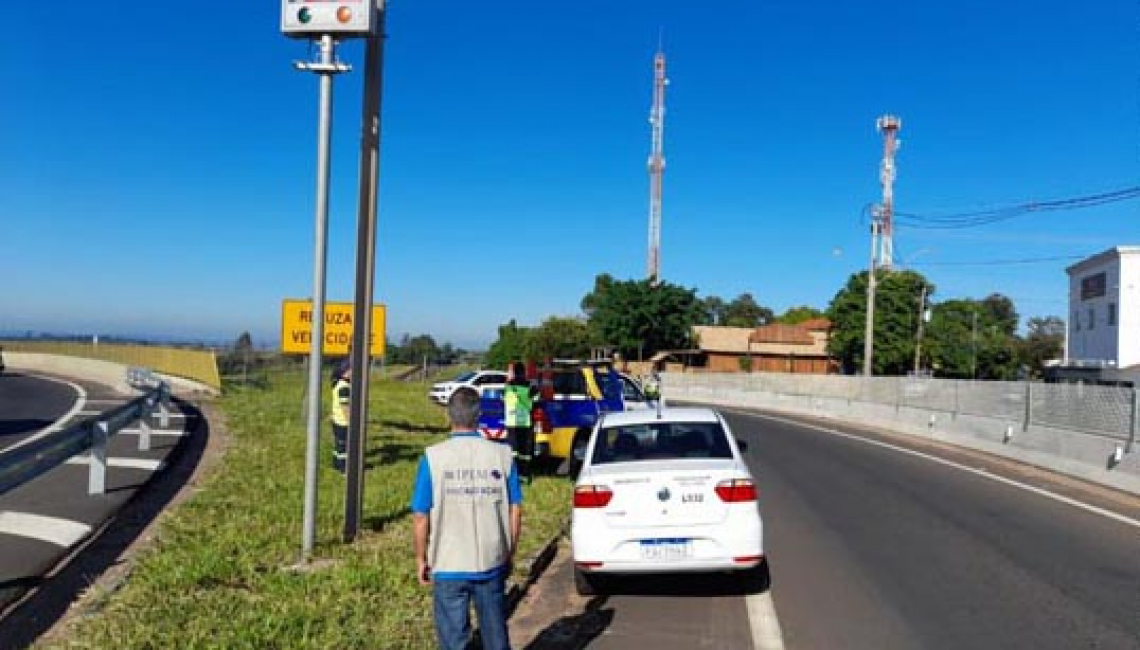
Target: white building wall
(1128, 326)
(1092, 337)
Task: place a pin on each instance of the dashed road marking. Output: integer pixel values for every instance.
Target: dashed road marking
(766, 634)
(129, 463)
(61, 532)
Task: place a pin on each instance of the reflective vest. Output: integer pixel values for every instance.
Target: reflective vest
(517, 405)
(341, 395)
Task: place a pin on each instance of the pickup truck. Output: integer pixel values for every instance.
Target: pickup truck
(572, 396)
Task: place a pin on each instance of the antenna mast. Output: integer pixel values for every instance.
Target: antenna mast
(656, 164)
(889, 126)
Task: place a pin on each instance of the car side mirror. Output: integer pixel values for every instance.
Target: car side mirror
(741, 445)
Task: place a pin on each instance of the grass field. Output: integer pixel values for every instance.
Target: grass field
(219, 573)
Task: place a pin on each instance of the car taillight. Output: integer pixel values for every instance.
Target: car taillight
(540, 423)
(736, 490)
(592, 496)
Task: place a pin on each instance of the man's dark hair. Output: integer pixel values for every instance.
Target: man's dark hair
(463, 408)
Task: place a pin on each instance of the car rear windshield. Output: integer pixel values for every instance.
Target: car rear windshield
(661, 441)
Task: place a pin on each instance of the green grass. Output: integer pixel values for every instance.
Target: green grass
(218, 573)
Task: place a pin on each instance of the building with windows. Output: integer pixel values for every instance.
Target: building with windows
(1102, 342)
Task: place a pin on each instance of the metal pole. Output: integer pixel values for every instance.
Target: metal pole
(365, 272)
(313, 411)
(918, 338)
(869, 329)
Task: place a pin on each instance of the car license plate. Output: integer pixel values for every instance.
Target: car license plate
(666, 549)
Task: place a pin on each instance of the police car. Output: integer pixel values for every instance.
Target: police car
(663, 491)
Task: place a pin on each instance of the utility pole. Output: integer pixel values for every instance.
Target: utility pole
(918, 338)
(656, 165)
(974, 346)
(365, 272)
(869, 329)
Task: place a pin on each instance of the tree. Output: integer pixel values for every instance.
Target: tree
(1044, 341)
(896, 321)
(602, 284)
(640, 319)
(744, 311)
(510, 346)
(797, 315)
(559, 337)
(714, 309)
(975, 339)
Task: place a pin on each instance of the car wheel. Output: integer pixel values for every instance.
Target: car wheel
(585, 583)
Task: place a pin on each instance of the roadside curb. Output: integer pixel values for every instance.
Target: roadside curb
(538, 565)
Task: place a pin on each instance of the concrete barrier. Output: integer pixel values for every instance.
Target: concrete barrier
(1085, 455)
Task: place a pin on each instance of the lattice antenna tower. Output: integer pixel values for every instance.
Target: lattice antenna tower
(656, 164)
(889, 126)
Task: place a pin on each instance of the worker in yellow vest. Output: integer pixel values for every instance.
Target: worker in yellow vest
(341, 396)
(518, 401)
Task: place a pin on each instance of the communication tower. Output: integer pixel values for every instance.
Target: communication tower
(656, 165)
(889, 126)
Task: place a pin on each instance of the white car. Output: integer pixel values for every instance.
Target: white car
(480, 380)
(663, 491)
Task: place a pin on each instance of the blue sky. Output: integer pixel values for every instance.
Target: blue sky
(158, 166)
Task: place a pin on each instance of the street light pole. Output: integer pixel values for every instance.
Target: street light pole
(326, 67)
(918, 338)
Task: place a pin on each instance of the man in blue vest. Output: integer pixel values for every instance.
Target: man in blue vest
(467, 518)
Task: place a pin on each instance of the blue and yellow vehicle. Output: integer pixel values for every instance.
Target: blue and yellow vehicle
(572, 396)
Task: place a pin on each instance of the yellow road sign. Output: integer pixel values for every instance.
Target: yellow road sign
(297, 328)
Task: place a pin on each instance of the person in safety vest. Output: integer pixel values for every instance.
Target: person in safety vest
(466, 520)
(518, 402)
(341, 396)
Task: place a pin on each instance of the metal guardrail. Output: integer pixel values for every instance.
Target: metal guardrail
(25, 462)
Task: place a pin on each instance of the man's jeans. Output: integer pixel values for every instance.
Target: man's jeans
(452, 622)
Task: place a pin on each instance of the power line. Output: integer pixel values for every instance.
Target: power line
(1025, 260)
(975, 218)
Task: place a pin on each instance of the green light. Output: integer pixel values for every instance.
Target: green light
(304, 15)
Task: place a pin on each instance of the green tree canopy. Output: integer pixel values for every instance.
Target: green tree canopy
(897, 313)
(744, 311)
(800, 314)
(1045, 341)
(559, 337)
(639, 319)
(510, 346)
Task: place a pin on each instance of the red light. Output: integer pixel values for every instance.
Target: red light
(540, 423)
(592, 496)
(736, 490)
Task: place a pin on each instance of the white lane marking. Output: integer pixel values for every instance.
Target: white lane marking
(1129, 521)
(61, 422)
(766, 634)
(157, 432)
(61, 532)
(130, 463)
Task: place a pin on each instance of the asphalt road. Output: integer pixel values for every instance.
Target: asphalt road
(30, 404)
(44, 521)
(873, 547)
